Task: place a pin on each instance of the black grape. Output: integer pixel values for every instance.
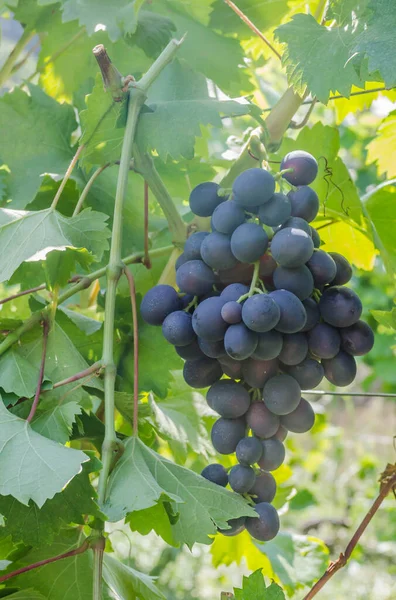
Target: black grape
(295, 348)
(340, 306)
(313, 314)
(281, 394)
(186, 299)
(269, 345)
(241, 478)
(249, 451)
(324, 341)
(207, 321)
(227, 217)
(202, 372)
(292, 312)
(301, 419)
(260, 313)
(299, 281)
(228, 398)
(212, 349)
(344, 269)
(180, 260)
(192, 247)
(276, 211)
(216, 251)
(257, 372)
(204, 199)
(216, 474)
(234, 291)
(309, 373)
(232, 312)
(248, 242)
(231, 367)
(226, 433)
(291, 247)
(236, 527)
(190, 351)
(253, 187)
(261, 421)
(358, 339)
(304, 165)
(239, 341)
(322, 267)
(264, 488)
(195, 277)
(273, 455)
(315, 238)
(177, 328)
(298, 223)
(267, 265)
(340, 370)
(281, 434)
(304, 202)
(266, 525)
(158, 303)
(242, 273)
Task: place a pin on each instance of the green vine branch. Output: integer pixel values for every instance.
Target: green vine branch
(7, 68)
(132, 292)
(87, 187)
(41, 372)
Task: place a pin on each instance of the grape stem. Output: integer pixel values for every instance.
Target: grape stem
(87, 187)
(132, 291)
(192, 303)
(352, 394)
(280, 174)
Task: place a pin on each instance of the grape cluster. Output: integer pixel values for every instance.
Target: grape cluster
(261, 303)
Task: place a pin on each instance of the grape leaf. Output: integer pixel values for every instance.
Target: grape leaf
(86, 324)
(317, 57)
(351, 242)
(35, 136)
(142, 477)
(17, 374)
(381, 147)
(126, 582)
(347, 12)
(3, 183)
(29, 594)
(381, 210)
(55, 421)
(152, 33)
(31, 236)
(387, 318)
(68, 506)
(118, 18)
(254, 588)
(239, 549)
(31, 466)
(155, 519)
(264, 14)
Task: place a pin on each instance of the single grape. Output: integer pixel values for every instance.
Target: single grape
(281, 434)
(253, 187)
(216, 251)
(261, 421)
(292, 312)
(299, 281)
(267, 265)
(180, 260)
(216, 474)
(269, 345)
(266, 525)
(249, 451)
(341, 369)
(158, 303)
(281, 394)
(309, 373)
(207, 321)
(298, 223)
(234, 291)
(264, 488)
(236, 527)
(291, 247)
(322, 267)
(202, 372)
(295, 348)
(241, 274)
(191, 351)
(177, 328)
(313, 314)
(226, 433)
(212, 349)
(358, 339)
(192, 247)
(304, 165)
(301, 419)
(248, 242)
(257, 372)
(204, 199)
(231, 367)
(227, 217)
(195, 277)
(315, 238)
(344, 269)
(340, 306)
(324, 341)
(239, 341)
(228, 398)
(273, 455)
(260, 313)
(304, 203)
(241, 478)
(231, 312)
(276, 211)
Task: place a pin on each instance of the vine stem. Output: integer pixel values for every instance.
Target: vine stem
(147, 261)
(95, 368)
(132, 291)
(88, 186)
(67, 175)
(23, 293)
(363, 394)
(8, 66)
(41, 372)
(388, 483)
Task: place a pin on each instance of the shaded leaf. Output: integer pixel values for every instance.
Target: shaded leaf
(254, 588)
(381, 211)
(55, 421)
(127, 582)
(380, 149)
(17, 374)
(118, 18)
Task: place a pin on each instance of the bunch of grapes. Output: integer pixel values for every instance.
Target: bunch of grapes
(262, 304)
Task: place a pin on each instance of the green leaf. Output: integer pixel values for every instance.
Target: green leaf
(29, 594)
(264, 14)
(254, 588)
(126, 582)
(35, 134)
(70, 505)
(317, 57)
(31, 236)
(380, 149)
(55, 421)
(18, 375)
(385, 317)
(31, 466)
(156, 519)
(118, 17)
(142, 477)
(302, 500)
(381, 211)
(152, 34)
(86, 324)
